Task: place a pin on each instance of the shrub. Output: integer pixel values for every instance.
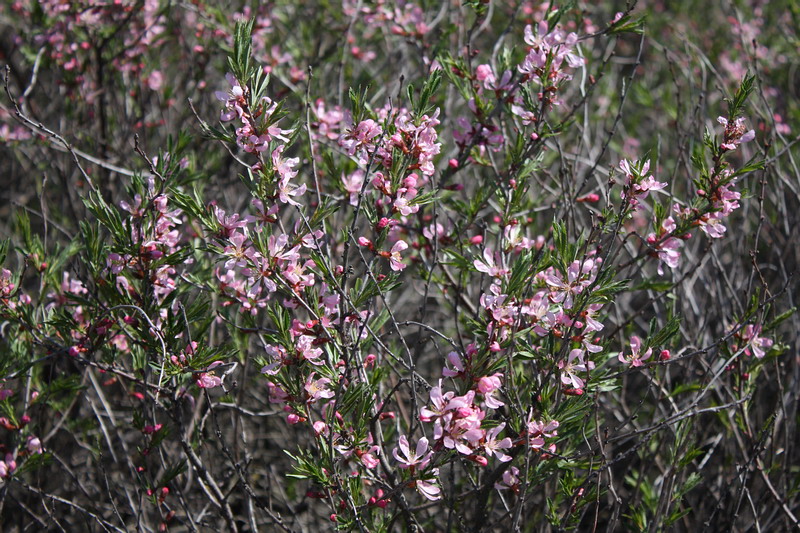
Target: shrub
(389, 266)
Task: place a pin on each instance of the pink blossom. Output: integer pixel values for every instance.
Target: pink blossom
(667, 249)
(580, 274)
(208, 379)
(429, 490)
(494, 446)
(556, 46)
(455, 360)
(755, 344)
(638, 184)
(735, 133)
(34, 445)
(510, 480)
(395, 261)
(487, 386)
(635, 358)
(234, 100)
(316, 389)
(418, 458)
(489, 266)
(575, 363)
(7, 466)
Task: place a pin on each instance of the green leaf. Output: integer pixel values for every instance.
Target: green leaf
(627, 24)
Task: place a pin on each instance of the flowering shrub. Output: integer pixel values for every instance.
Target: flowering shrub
(391, 266)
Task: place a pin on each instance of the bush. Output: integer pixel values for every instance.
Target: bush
(389, 266)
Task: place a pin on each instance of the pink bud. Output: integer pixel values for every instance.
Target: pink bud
(476, 239)
(479, 460)
(453, 164)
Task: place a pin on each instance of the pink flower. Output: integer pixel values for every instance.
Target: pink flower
(489, 266)
(636, 359)
(34, 445)
(429, 490)
(538, 430)
(395, 261)
(7, 466)
(369, 459)
(580, 274)
(639, 184)
(556, 46)
(510, 480)
(735, 133)
(360, 139)
(668, 249)
(317, 389)
(418, 458)
(495, 447)
(455, 360)
(487, 386)
(440, 404)
(208, 379)
(234, 100)
(755, 344)
(575, 363)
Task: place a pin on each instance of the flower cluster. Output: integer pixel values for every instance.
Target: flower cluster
(637, 183)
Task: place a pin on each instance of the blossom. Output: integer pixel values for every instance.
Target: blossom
(317, 388)
(580, 274)
(735, 133)
(395, 261)
(7, 466)
(234, 100)
(455, 360)
(755, 344)
(556, 46)
(489, 266)
(639, 184)
(510, 480)
(285, 170)
(635, 358)
(34, 445)
(418, 458)
(575, 363)
(360, 140)
(208, 378)
(487, 386)
(429, 490)
(537, 430)
(494, 446)
(666, 249)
